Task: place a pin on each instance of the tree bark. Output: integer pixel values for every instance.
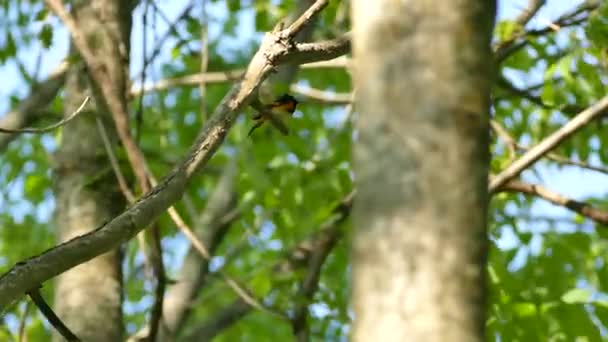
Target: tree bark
(422, 77)
(88, 298)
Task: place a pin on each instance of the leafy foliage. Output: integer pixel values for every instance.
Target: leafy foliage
(547, 270)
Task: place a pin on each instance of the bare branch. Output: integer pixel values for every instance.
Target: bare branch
(504, 49)
(563, 160)
(528, 13)
(21, 336)
(224, 76)
(50, 315)
(549, 143)
(582, 208)
(40, 96)
(321, 96)
(122, 182)
(310, 283)
(304, 19)
(51, 127)
(506, 138)
(311, 52)
(204, 58)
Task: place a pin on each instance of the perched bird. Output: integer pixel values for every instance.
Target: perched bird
(282, 108)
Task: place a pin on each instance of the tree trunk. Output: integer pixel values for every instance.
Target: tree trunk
(89, 297)
(422, 77)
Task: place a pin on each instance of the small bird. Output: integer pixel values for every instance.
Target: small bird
(282, 107)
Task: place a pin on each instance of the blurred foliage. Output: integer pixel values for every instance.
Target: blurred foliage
(548, 273)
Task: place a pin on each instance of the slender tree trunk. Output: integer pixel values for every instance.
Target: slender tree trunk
(423, 75)
(89, 297)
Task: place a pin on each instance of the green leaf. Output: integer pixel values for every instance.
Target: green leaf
(234, 5)
(506, 30)
(10, 49)
(42, 14)
(46, 35)
(576, 296)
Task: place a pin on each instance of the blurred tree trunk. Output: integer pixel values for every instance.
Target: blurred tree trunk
(89, 297)
(422, 75)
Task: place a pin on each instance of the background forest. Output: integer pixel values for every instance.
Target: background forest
(258, 247)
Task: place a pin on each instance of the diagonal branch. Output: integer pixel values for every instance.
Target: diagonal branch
(35, 270)
(582, 208)
(50, 315)
(549, 143)
(529, 12)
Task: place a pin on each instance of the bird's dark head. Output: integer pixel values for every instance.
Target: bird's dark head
(287, 98)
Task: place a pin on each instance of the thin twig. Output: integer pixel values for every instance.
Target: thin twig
(223, 76)
(549, 143)
(30, 107)
(504, 49)
(139, 113)
(506, 137)
(50, 315)
(299, 23)
(582, 208)
(122, 182)
(528, 13)
(161, 284)
(310, 283)
(563, 160)
(321, 96)
(204, 59)
(160, 43)
(21, 336)
(51, 127)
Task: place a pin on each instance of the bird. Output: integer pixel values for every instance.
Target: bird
(284, 106)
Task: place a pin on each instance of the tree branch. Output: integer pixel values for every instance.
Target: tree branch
(524, 93)
(310, 284)
(35, 270)
(529, 12)
(51, 127)
(40, 97)
(549, 143)
(506, 48)
(311, 252)
(50, 315)
(582, 208)
(233, 75)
